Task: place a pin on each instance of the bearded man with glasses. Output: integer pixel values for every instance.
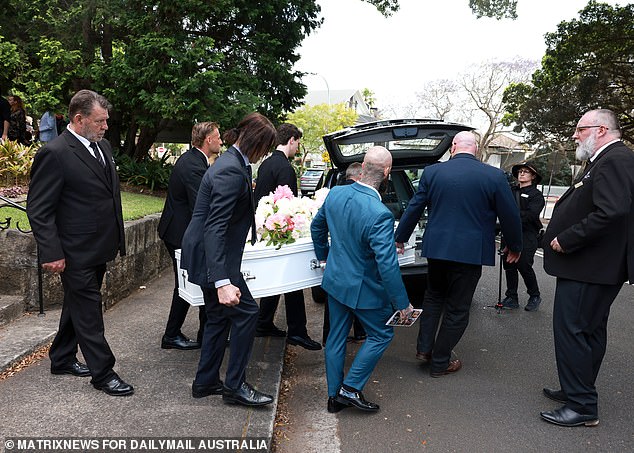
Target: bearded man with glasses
(589, 247)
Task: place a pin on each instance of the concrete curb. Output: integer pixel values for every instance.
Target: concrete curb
(25, 335)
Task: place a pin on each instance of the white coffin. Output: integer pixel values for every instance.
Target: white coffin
(188, 291)
(268, 271)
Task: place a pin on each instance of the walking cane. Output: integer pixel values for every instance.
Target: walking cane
(498, 306)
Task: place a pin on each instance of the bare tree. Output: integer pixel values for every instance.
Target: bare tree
(475, 98)
(484, 86)
(438, 98)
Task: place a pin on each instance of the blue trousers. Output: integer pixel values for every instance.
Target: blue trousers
(379, 338)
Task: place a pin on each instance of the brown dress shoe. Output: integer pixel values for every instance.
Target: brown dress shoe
(424, 357)
(454, 365)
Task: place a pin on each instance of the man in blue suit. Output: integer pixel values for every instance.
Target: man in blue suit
(463, 197)
(362, 277)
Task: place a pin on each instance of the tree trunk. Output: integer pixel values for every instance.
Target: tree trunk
(130, 139)
(147, 136)
(106, 44)
(114, 129)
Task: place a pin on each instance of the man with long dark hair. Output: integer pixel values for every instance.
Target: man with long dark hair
(212, 253)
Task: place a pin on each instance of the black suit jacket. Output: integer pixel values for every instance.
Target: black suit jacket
(214, 240)
(275, 171)
(74, 208)
(594, 222)
(181, 196)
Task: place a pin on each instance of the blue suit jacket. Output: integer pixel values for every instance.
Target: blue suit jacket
(362, 267)
(214, 240)
(463, 197)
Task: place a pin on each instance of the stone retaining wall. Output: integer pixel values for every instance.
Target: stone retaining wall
(146, 257)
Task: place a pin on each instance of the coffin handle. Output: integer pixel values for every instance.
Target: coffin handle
(316, 264)
(247, 275)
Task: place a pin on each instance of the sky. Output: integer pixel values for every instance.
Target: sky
(356, 47)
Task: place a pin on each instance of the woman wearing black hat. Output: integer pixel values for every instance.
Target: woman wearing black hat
(531, 202)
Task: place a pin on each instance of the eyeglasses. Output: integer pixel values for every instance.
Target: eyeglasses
(578, 129)
(523, 170)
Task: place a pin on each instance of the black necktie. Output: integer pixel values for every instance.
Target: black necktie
(250, 181)
(95, 149)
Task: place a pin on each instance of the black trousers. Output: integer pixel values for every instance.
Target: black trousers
(180, 307)
(450, 288)
(241, 319)
(81, 323)
(580, 318)
(295, 312)
(525, 268)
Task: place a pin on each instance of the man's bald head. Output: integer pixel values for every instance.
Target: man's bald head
(376, 166)
(464, 142)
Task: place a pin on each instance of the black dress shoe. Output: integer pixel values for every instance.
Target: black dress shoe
(556, 395)
(334, 406)
(270, 332)
(567, 417)
(179, 342)
(305, 342)
(246, 395)
(76, 369)
(115, 387)
(356, 399)
(201, 390)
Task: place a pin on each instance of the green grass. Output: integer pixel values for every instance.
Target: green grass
(135, 206)
(17, 218)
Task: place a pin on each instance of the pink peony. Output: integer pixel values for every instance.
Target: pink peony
(282, 192)
(279, 222)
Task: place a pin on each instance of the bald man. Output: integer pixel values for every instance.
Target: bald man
(463, 197)
(362, 278)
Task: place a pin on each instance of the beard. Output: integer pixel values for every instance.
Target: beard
(586, 148)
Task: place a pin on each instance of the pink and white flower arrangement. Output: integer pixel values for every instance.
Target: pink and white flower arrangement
(281, 218)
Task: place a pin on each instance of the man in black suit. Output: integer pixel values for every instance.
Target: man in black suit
(275, 171)
(179, 205)
(74, 207)
(212, 254)
(589, 247)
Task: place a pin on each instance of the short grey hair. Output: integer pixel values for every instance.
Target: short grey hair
(83, 102)
(354, 171)
(608, 118)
